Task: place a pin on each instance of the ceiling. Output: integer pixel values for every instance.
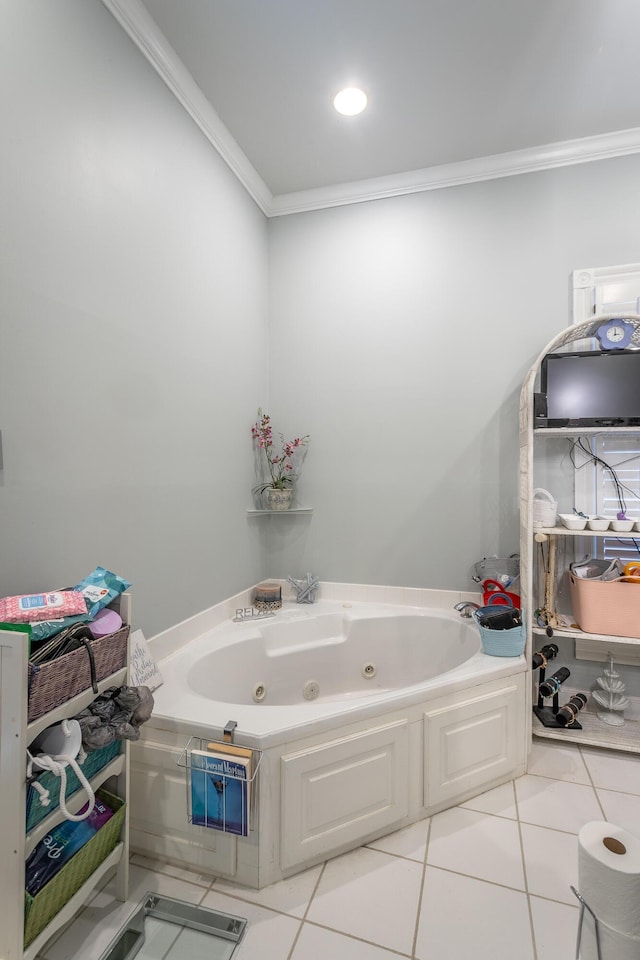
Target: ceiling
(448, 81)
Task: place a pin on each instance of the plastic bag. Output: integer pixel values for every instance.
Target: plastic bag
(117, 714)
(99, 588)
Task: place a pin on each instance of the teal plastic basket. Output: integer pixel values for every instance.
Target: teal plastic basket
(93, 763)
(502, 643)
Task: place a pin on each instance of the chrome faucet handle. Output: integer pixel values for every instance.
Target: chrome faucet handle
(465, 608)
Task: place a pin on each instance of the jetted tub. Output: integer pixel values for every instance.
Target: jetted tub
(334, 656)
(368, 716)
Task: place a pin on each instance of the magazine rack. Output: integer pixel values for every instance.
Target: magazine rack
(221, 784)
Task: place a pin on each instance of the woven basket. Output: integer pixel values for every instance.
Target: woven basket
(39, 910)
(94, 762)
(502, 643)
(53, 683)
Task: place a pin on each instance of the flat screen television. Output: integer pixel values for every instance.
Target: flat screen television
(592, 389)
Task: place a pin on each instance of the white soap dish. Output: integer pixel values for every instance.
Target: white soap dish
(572, 521)
(622, 526)
(598, 523)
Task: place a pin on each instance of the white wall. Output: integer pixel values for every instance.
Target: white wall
(133, 304)
(401, 331)
(133, 312)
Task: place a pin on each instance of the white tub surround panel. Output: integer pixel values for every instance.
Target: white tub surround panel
(337, 771)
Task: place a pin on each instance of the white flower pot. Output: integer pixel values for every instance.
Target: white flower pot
(279, 499)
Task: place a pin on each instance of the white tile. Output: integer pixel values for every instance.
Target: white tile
(370, 895)
(500, 802)
(560, 761)
(90, 934)
(477, 844)
(555, 803)
(555, 927)
(463, 917)
(551, 862)
(410, 842)
(623, 809)
(180, 873)
(268, 936)
(316, 942)
(613, 770)
(290, 896)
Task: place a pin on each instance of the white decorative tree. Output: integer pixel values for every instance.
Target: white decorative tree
(610, 696)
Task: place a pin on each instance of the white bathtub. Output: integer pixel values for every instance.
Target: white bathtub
(406, 717)
(333, 656)
(414, 653)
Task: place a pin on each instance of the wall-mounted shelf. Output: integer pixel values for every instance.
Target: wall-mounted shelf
(609, 533)
(582, 431)
(279, 513)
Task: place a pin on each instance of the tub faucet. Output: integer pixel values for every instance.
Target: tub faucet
(465, 607)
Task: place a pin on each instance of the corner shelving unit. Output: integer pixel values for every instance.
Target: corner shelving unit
(536, 454)
(253, 512)
(16, 733)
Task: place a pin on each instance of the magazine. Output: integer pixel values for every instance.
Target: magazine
(220, 791)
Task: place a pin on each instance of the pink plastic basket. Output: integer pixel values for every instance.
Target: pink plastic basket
(606, 606)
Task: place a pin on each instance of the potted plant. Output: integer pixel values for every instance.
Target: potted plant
(281, 465)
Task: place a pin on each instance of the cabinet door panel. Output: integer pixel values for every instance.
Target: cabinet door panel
(343, 791)
(472, 745)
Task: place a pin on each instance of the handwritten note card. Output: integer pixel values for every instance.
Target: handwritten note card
(144, 669)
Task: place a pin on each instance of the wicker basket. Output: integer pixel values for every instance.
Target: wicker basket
(610, 607)
(39, 910)
(94, 762)
(53, 683)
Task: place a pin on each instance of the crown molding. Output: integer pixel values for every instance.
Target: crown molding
(136, 21)
(569, 152)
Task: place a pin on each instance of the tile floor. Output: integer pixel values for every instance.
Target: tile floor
(488, 879)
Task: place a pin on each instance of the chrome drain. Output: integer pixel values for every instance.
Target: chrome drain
(310, 690)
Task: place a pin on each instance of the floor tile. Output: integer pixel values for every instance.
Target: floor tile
(157, 866)
(410, 842)
(268, 936)
(551, 862)
(89, 935)
(555, 927)
(556, 803)
(477, 844)
(623, 809)
(561, 761)
(500, 801)
(370, 895)
(464, 917)
(290, 896)
(315, 943)
(613, 770)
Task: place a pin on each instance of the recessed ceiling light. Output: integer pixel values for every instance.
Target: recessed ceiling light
(350, 101)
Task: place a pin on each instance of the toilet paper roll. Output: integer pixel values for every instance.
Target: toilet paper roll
(613, 946)
(609, 881)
